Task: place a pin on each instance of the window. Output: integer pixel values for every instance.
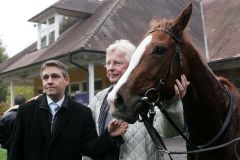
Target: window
(51, 37)
(47, 32)
(84, 84)
(98, 84)
(43, 42)
(74, 87)
(67, 22)
(43, 25)
(51, 20)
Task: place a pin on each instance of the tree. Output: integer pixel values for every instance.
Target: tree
(3, 57)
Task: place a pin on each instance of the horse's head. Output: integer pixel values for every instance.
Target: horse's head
(153, 68)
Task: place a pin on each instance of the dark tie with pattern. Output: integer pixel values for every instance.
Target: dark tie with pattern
(103, 116)
(103, 113)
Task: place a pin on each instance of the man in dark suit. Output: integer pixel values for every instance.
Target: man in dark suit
(54, 127)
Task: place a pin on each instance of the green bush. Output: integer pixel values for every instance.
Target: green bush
(3, 107)
(3, 154)
(26, 91)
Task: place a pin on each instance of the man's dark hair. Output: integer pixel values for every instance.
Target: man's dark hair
(55, 63)
(19, 100)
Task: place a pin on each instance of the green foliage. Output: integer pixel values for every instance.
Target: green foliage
(3, 154)
(3, 93)
(3, 57)
(3, 107)
(26, 91)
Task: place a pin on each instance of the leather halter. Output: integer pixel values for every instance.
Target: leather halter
(177, 54)
(170, 32)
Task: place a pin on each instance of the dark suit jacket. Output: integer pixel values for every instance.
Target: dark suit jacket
(73, 133)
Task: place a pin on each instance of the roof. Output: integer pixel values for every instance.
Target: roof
(87, 6)
(69, 7)
(223, 28)
(130, 18)
(114, 19)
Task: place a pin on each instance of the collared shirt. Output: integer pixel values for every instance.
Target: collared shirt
(52, 104)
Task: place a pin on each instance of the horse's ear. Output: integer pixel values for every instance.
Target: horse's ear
(182, 19)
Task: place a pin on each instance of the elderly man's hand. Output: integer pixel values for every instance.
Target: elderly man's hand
(181, 87)
(117, 127)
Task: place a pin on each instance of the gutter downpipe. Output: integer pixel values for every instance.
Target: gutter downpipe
(90, 75)
(204, 32)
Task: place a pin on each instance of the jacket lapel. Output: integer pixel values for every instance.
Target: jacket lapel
(62, 118)
(45, 118)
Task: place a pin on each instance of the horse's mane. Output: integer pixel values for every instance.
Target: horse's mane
(156, 23)
(228, 84)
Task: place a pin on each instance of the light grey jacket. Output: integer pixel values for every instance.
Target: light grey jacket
(138, 144)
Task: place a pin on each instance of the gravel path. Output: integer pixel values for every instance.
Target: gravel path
(175, 144)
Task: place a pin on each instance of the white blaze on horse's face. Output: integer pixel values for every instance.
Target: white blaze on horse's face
(133, 63)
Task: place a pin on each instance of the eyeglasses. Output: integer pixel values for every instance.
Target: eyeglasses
(114, 64)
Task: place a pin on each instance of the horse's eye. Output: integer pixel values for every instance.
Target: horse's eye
(160, 50)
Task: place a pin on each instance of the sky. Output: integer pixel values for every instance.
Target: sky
(16, 33)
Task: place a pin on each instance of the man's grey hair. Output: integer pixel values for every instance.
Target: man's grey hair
(123, 46)
(55, 63)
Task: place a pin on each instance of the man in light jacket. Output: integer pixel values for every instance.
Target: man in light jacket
(138, 144)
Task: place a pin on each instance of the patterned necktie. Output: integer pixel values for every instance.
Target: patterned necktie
(54, 108)
(103, 116)
(103, 113)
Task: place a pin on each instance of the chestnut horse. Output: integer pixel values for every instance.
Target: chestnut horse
(211, 104)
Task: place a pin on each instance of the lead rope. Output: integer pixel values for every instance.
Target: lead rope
(163, 110)
(197, 149)
(156, 138)
(231, 107)
(162, 147)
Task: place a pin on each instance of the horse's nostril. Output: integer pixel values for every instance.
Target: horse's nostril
(120, 102)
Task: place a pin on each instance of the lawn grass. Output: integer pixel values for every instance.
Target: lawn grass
(3, 154)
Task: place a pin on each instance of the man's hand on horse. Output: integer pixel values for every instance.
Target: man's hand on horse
(117, 127)
(181, 87)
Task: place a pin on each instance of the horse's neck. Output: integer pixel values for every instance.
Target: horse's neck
(205, 103)
(203, 80)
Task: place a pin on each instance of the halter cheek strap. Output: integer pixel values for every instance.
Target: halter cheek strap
(177, 54)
